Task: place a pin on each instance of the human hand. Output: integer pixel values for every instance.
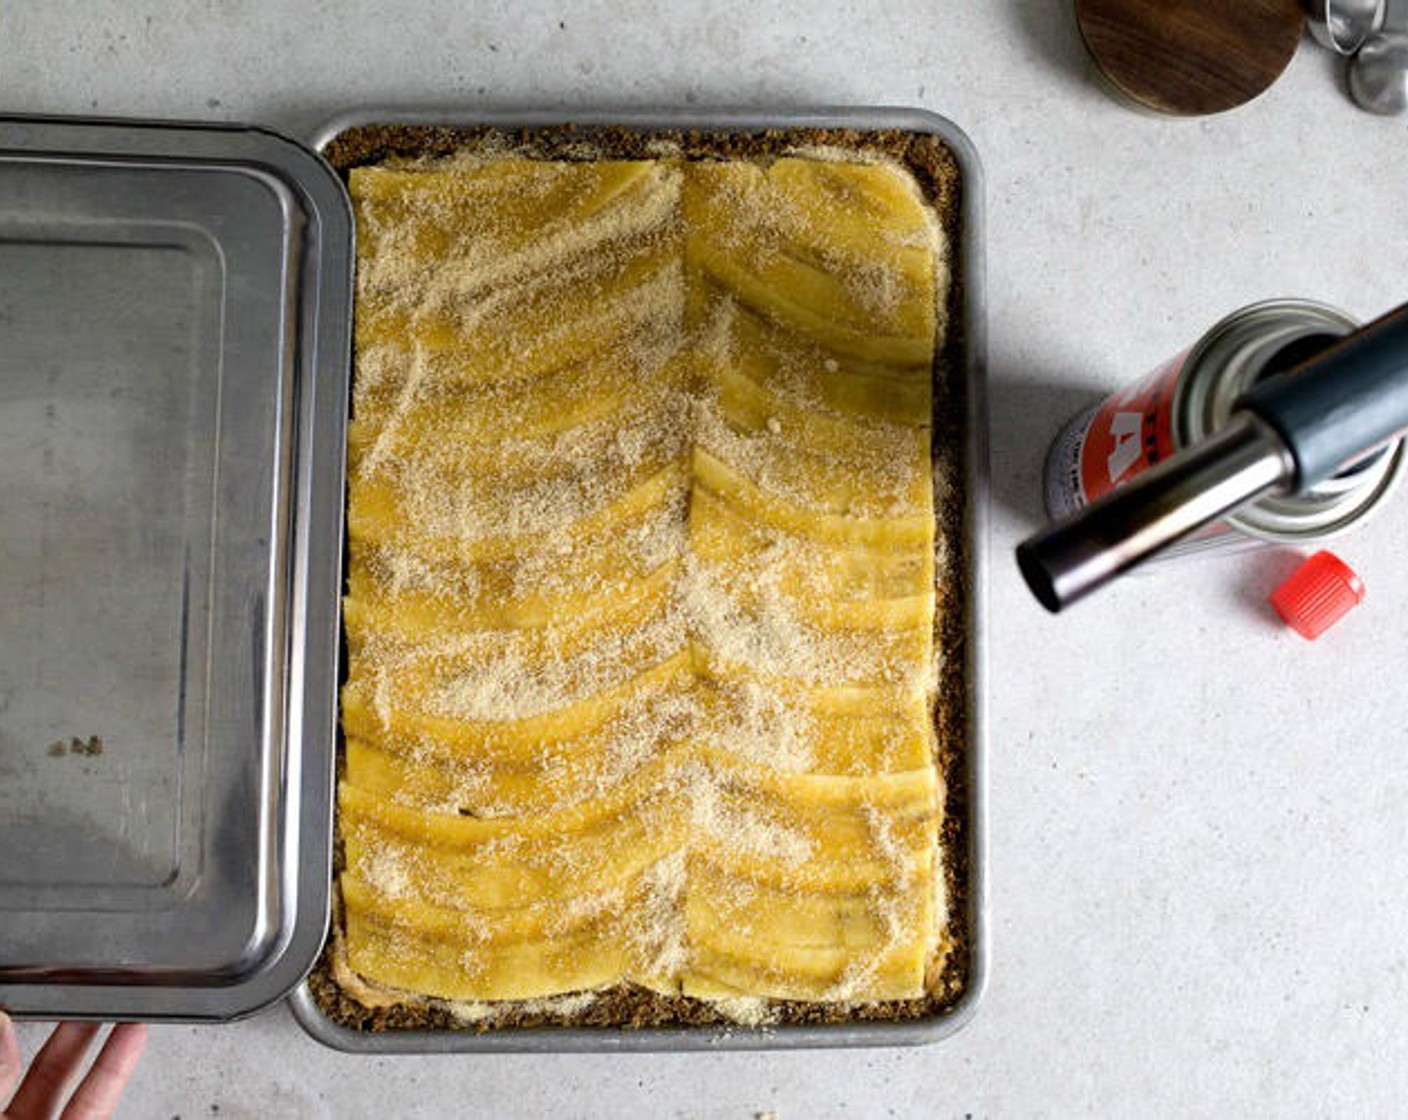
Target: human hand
(45, 1086)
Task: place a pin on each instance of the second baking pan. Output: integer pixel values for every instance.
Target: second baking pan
(174, 314)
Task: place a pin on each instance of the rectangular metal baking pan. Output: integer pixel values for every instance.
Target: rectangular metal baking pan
(970, 275)
(174, 310)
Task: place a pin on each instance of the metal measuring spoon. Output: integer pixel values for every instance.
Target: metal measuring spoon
(1344, 25)
(1378, 74)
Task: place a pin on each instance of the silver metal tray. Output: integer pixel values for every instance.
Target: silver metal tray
(975, 556)
(174, 317)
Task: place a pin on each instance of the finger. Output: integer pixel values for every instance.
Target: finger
(60, 1057)
(97, 1094)
(10, 1061)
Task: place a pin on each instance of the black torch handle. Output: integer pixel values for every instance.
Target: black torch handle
(1341, 403)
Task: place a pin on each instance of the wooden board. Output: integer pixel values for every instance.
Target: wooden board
(1190, 57)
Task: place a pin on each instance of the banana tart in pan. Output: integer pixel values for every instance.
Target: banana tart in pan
(651, 707)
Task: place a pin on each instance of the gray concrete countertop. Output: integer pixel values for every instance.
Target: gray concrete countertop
(1199, 874)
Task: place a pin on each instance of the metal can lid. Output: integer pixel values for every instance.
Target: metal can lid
(1239, 350)
(176, 302)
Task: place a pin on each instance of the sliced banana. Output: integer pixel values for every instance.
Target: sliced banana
(641, 581)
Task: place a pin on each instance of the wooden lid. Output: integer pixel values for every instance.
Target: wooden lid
(1191, 57)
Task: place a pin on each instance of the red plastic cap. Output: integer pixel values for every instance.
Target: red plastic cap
(1318, 594)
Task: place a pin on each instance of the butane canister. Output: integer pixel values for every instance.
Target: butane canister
(1188, 398)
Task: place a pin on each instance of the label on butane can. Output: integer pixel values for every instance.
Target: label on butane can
(1112, 442)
